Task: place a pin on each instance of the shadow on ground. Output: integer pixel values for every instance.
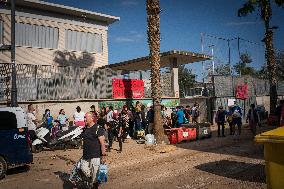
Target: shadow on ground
(243, 146)
(235, 170)
(17, 170)
(65, 178)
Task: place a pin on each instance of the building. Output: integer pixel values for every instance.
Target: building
(62, 59)
(52, 34)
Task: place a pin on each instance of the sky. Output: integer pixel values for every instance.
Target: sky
(182, 22)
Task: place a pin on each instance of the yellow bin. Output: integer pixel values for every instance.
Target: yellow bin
(274, 157)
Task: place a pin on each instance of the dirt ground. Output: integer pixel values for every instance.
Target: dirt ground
(230, 162)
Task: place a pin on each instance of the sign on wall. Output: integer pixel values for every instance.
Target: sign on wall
(242, 91)
(127, 88)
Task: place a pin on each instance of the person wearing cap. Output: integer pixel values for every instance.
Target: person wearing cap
(79, 117)
(220, 120)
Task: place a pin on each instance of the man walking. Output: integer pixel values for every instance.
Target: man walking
(195, 113)
(93, 147)
(220, 120)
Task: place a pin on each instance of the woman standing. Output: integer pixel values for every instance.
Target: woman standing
(138, 117)
(103, 113)
(125, 121)
(252, 118)
(63, 120)
(79, 117)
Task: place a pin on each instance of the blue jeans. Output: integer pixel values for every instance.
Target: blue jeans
(138, 126)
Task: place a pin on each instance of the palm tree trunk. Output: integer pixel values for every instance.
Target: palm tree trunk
(266, 13)
(153, 20)
(271, 65)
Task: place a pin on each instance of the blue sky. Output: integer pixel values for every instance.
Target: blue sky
(182, 21)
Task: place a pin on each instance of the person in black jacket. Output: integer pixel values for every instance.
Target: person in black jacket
(220, 120)
(252, 118)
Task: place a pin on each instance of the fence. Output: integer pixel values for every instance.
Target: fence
(45, 82)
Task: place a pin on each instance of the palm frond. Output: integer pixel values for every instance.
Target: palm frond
(247, 8)
(280, 3)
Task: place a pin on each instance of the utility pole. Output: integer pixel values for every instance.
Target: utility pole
(229, 55)
(202, 51)
(14, 102)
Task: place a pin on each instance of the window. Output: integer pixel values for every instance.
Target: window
(8, 121)
(36, 36)
(81, 41)
(1, 31)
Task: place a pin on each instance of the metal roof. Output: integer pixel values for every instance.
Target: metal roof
(42, 5)
(143, 63)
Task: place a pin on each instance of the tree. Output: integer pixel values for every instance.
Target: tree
(223, 69)
(265, 12)
(153, 31)
(186, 79)
(242, 67)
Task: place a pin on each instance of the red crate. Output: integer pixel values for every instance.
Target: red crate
(191, 133)
(177, 135)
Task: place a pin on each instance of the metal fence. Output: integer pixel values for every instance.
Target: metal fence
(45, 82)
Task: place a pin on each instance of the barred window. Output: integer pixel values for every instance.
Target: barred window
(36, 36)
(81, 41)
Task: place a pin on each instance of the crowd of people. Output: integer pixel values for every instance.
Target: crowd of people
(105, 125)
(122, 124)
(118, 124)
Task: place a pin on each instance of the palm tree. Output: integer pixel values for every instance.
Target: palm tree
(153, 20)
(264, 6)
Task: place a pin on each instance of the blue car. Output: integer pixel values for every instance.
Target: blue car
(14, 139)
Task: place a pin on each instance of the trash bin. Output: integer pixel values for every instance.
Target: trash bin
(177, 135)
(203, 130)
(274, 157)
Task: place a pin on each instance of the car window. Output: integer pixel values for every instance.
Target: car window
(8, 121)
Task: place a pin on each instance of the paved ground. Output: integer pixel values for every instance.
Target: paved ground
(230, 162)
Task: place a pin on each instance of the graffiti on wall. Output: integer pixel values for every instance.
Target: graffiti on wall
(127, 88)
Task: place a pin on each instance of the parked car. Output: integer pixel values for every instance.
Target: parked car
(14, 139)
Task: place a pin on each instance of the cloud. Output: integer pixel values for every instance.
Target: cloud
(129, 3)
(133, 36)
(241, 23)
(123, 39)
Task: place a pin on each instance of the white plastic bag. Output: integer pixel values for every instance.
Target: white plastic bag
(85, 167)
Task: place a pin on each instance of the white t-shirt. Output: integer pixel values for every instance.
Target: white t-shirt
(79, 116)
(109, 117)
(30, 118)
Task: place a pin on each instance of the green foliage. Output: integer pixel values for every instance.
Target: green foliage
(223, 69)
(247, 8)
(242, 67)
(186, 79)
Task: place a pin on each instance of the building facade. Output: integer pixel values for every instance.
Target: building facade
(52, 34)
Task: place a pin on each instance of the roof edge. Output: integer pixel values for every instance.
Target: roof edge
(68, 10)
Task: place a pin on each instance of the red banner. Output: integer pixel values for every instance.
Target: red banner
(127, 88)
(242, 91)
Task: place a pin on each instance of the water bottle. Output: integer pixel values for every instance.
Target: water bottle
(102, 175)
